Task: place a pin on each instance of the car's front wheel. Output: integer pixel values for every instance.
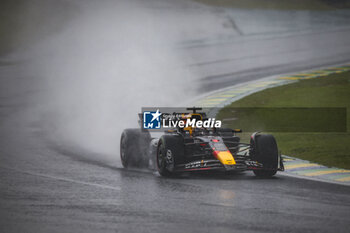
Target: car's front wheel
(162, 161)
(169, 151)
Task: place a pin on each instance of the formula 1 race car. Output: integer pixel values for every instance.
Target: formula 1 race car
(197, 149)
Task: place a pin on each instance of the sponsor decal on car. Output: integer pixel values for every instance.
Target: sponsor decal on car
(196, 164)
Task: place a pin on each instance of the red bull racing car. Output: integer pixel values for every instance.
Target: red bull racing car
(198, 149)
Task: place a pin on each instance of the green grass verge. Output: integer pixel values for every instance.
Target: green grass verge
(327, 148)
(279, 4)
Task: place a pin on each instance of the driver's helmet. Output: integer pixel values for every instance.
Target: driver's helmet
(190, 116)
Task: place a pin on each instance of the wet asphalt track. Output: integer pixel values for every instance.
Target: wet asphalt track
(53, 188)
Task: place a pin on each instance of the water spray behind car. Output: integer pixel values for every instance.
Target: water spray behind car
(105, 63)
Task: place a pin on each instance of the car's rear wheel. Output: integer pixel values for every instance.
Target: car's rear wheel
(134, 146)
(265, 152)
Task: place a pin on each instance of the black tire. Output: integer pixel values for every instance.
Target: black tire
(266, 153)
(169, 152)
(134, 146)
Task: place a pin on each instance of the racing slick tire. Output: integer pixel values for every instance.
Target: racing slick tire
(134, 147)
(169, 151)
(266, 153)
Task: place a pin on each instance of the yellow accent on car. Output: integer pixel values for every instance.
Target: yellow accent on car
(226, 158)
